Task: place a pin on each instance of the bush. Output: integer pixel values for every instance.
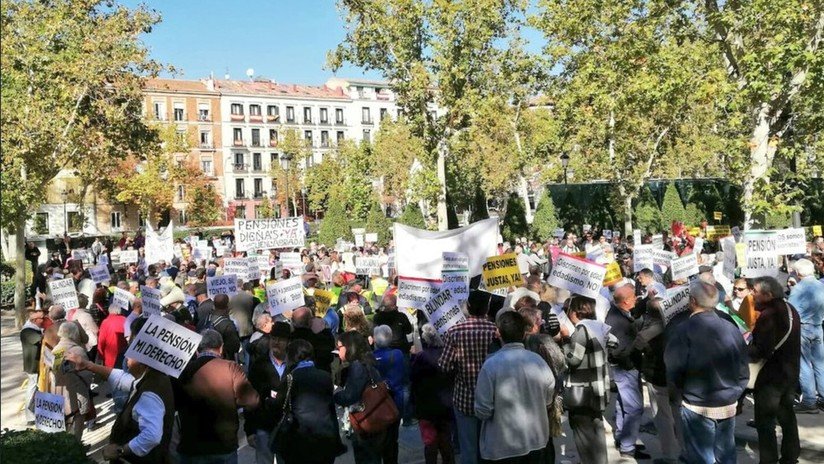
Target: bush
(515, 225)
(35, 447)
(376, 221)
(647, 216)
(335, 223)
(412, 216)
(546, 220)
(672, 209)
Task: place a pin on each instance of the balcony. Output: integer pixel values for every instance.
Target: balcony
(340, 122)
(240, 167)
(256, 143)
(204, 118)
(290, 120)
(325, 122)
(240, 195)
(324, 144)
(307, 121)
(255, 118)
(273, 142)
(369, 121)
(259, 195)
(237, 117)
(272, 117)
(238, 143)
(206, 146)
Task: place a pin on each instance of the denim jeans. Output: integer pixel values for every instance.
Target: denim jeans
(229, 458)
(628, 409)
(263, 455)
(812, 364)
(468, 430)
(707, 441)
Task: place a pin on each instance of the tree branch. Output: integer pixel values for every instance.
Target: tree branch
(732, 51)
(69, 124)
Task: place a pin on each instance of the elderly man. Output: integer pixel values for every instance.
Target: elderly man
(707, 361)
(808, 299)
(307, 327)
(31, 337)
(401, 327)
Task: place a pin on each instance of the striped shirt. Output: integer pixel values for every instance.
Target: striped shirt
(466, 346)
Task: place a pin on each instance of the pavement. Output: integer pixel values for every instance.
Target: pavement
(810, 426)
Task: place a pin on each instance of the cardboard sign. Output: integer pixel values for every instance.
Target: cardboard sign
(716, 215)
(164, 345)
(323, 298)
(64, 293)
(225, 284)
(658, 241)
(151, 300)
(698, 246)
(817, 231)
(415, 293)
(367, 265)
(716, 232)
(160, 247)
(238, 267)
(122, 298)
(264, 234)
(371, 237)
(577, 275)
(502, 272)
(642, 258)
(636, 237)
(81, 254)
(613, 274)
(684, 267)
(285, 295)
(100, 274)
(128, 256)
(677, 300)
(49, 415)
(443, 311)
(728, 247)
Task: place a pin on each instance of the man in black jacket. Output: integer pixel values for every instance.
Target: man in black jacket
(307, 327)
(401, 327)
(205, 306)
(31, 336)
(219, 320)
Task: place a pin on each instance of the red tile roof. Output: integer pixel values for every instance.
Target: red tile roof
(276, 89)
(176, 85)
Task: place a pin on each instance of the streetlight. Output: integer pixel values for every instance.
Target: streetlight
(65, 194)
(287, 157)
(565, 163)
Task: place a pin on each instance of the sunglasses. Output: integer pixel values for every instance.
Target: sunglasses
(739, 289)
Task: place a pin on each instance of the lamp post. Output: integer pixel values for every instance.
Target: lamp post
(565, 163)
(287, 157)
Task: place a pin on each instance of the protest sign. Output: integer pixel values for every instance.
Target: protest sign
(80, 255)
(658, 242)
(122, 298)
(390, 265)
(791, 241)
(636, 237)
(221, 250)
(285, 295)
(728, 247)
(164, 345)
(616, 234)
(760, 266)
(238, 267)
(64, 293)
(677, 300)
(662, 258)
(292, 261)
(128, 256)
(587, 227)
(358, 231)
(716, 215)
(817, 231)
(694, 231)
(419, 253)
(263, 263)
(100, 274)
(252, 271)
(371, 237)
(607, 234)
(264, 234)
(502, 272)
(323, 298)
(326, 273)
(443, 310)
(359, 240)
(558, 233)
(160, 247)
(454, 262)
(698, 246)
(563, 319)
(642, 258)
(367, 265)
(225, 284)
(613, 274)
(49, 415)
(200, 253)
(455, 275)
(716, 232)
(577, 275)
(151, 300)
(414, 293)
(684, 267)
(769, 243)
(595, 253)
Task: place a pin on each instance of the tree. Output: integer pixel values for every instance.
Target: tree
(395, 150)
(357, 164)
(377, 222)
(335, 223)
(672, 209)
(647, 213)
(515, 225)
(287, 174)
(546, 221)
(412, 216)
(692, 215)
(266, 210)
(71, 98)
(205, 207)
(321, 178)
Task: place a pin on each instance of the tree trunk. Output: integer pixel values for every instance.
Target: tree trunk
(20, 270)
(523, 191)
(443, 220)
(627, 216)
(762, 153)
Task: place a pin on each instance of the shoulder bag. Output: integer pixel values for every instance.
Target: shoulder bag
(755, 367)
(376, 411)
(581, 396)
(280, 435)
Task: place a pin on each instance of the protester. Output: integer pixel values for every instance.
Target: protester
(219, 320)
(205, 306)
(74, 386)
(431, 395)
(322, 340)
(111, 342)
(393, 367)
(389, 315)
(808, 298)
(85, 320)
(31, 338)
(742, 302)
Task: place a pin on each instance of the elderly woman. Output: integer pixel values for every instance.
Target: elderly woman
(391, 364)
(111, 342)
(432, 398)
(73, 385)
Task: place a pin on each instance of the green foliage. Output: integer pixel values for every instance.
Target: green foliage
(266, 209)
(356, 179)
(692, 215)
(412, 216)
(205, 207)
(672, 209)
(515, 225)
(288, 178)
(545, 220)
(647, 215)
(777, 221)
(377, 222)
(35, 446)
(395, 149)
(335, 223)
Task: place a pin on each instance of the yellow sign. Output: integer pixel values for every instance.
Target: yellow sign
(716, 232)
(817, 231)
(694, 231)
(741, 253)
(613, 275)
(502, 272)
(717, 215)
(323, 298)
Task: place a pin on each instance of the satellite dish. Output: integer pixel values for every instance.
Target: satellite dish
(250, 72)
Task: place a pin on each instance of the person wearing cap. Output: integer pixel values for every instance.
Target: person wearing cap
(808, 299)
(205, 305)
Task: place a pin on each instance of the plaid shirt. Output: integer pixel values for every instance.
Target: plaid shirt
(587, 363)
(466, 346)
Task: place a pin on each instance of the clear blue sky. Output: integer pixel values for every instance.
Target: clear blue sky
(284, 40)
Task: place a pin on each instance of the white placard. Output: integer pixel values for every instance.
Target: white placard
(415, 293)
(760, 266)
(265, 234)
(201, 253)
(263, 264)
(225, 284)
(220, 250)
(359, 240)
(563, 319)
(684, 267)
(252, 270)
(164, 345)
(285, 295)
(595, 253)
(292, 261)
(100, 274)
(728, 247)
(367, 265)
(698, 246)
(642, 258)
(677, 300)
(607, 235)
(558, 233)
(662, 258)
(151, 300)
(658, 241)
(64, 293)
(767, 243)
(160, 247)
(791, 241)
(122, 298)
(202, 244)
(80, 254)
(49, 414)
(443, 311)
(453, 261)
(577, 275)
(358, 231)
(371, 237)
(128, 256)
(455, 275)
(238, 267)
(636, 237)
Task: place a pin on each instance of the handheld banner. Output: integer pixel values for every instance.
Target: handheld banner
(100, 274)
(613, 274)
(64, 293)
(642, 258)
(263, 234)
(122, 298)
(160, 247)
(595, 253)
(769, 243)
(443, 311)
(367, 265)
(502, 272)
(577, 275)
(164, 345)
(677, 300)
(128, 256)
(372, 237)
(225, 284)
(285, 295)
(49, 415)
(685, 267)
(414, 293)
(151, 300)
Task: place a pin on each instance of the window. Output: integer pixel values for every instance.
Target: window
(205, 139)
(181, 216)
(384, 113)
(324, 115)
(254, 110)
(366, 116)
(258, 212)
(340, 136)
(203, 112)
(181, 136)
(237, 109)
(114, 217)
(257, 165)
(41, 224)
(307, 115)
(256, 137)
(237, 134)
(178, 112)
(310, 161)
(240, 190)
(240, 211)
(273, 138)
(159, 111)
(181, 193)
(339, 115)
(273, 110)
(290, 114)
(206, 166)
(324, 139)
(273, 159)
(367, 135)
(75, 221)
(238, 159)
(258, 188)
(307, 135)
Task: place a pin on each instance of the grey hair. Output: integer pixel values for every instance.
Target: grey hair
(57, 313)
(211, 340)
(262, 319)
(382, 335)
(69, 330)
(769, 285)
(115, 309)
(707, 278)
(429, 335)
(705, 295)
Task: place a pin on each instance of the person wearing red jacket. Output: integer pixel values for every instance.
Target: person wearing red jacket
(111, 342)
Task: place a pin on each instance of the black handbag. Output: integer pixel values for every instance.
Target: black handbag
(581, 397)
(280, 435)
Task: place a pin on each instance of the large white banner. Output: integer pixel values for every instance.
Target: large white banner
(64, 293)
(419, 253)
(285, 295)
(49, 415)
(160, 247)
(443, 311)
(225, 284)
(265, 234)
(164, 345)
(577, 275)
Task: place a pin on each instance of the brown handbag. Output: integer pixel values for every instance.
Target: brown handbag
(376, 411)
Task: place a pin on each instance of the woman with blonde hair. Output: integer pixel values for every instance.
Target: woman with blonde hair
(74, 386)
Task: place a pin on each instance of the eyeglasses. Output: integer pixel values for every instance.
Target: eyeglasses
(739, 289)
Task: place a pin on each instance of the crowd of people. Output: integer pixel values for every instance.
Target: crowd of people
(492, 388)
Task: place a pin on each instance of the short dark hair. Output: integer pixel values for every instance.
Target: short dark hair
(646, 272)
(478, 303)
(299, 350)
(221, 301)
(583, 306)
(512, 327)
